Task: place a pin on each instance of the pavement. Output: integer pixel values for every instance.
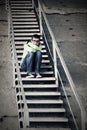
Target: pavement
(8, 107)
(68, 21)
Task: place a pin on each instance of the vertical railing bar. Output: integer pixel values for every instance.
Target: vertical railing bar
(33, 3)
(55, 61)
(67, 100)
(40, 18)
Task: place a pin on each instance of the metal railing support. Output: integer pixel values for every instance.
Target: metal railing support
(33, 3)
(55, 61)
(6, 4)
(24, 117)
(40, 17)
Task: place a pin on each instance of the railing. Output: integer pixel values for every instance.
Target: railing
(6, 4)
(75, 109)
(17, 82)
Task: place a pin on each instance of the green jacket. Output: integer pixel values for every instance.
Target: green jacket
(30, 47)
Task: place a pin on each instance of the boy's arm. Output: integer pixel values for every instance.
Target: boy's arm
(36, 47)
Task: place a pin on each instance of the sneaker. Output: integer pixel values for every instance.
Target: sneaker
(38, 75)
(30, 76)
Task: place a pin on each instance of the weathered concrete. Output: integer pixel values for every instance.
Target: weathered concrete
(70, 30)
(8, 108)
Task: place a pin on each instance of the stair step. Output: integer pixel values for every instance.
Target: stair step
(23, 8)
(21, 48)
(21, 19)
(25, 23)
(44, 101)
(26, 26)
(48, 119)
(48, 110)
(20, 1)
(45, 67)
(43, 61)
(43, 56)
(42, 93)
(51, 128)
(24, 16)
(24, 42)
(47, 72)
(21, 4)
(21, 51)
(38, 79)
(25, 34)
(23, 13)
(38, 86)
(22, 38)
(26, 30)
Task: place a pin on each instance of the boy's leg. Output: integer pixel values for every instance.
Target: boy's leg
(29, 61)
(24, 65)
(38, 59)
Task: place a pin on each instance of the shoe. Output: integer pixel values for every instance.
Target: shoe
(30, 76)
(38, 75)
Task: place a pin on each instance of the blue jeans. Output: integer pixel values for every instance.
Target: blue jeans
(30, 58)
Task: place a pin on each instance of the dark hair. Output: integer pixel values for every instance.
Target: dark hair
(36, 36)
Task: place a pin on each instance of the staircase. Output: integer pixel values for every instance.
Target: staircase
(45, 107)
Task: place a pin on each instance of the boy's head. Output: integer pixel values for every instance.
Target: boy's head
(36, 38)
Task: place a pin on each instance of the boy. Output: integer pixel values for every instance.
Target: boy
(32, 54)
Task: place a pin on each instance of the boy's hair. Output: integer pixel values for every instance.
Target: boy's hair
(36, 36)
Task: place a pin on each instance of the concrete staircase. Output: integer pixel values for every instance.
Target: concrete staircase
(45, 106)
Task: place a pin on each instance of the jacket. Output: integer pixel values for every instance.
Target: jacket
(30, 47)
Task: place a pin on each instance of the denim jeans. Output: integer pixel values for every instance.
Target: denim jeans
(30, 58)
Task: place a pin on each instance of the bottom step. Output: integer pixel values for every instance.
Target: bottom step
(49, 129)
(42, 119)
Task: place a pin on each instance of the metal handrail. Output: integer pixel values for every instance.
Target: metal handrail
(57, 50)
(15, 61)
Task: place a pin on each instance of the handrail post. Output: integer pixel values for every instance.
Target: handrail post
(55, 61)
(83, 115)
(6, 4)
(40, 17)
(32, 3)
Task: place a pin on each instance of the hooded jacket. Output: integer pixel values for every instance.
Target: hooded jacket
(30, 47)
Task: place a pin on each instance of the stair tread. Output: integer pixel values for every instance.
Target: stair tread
(52, 128)
(24, 7)
(44, 101)
(23, 16)
(43, 56)
(44, 66)
(21, 51)
(45, 72)
(18, 4)
(39, 79)
(25, 34)
(25, 23)
(39, 86)
(26, 26)
(19, 13)
(26, 30)
(27, 19)
(18, 10)
(48, 119)
(46, 110)
(43, 93)
(43, 61)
